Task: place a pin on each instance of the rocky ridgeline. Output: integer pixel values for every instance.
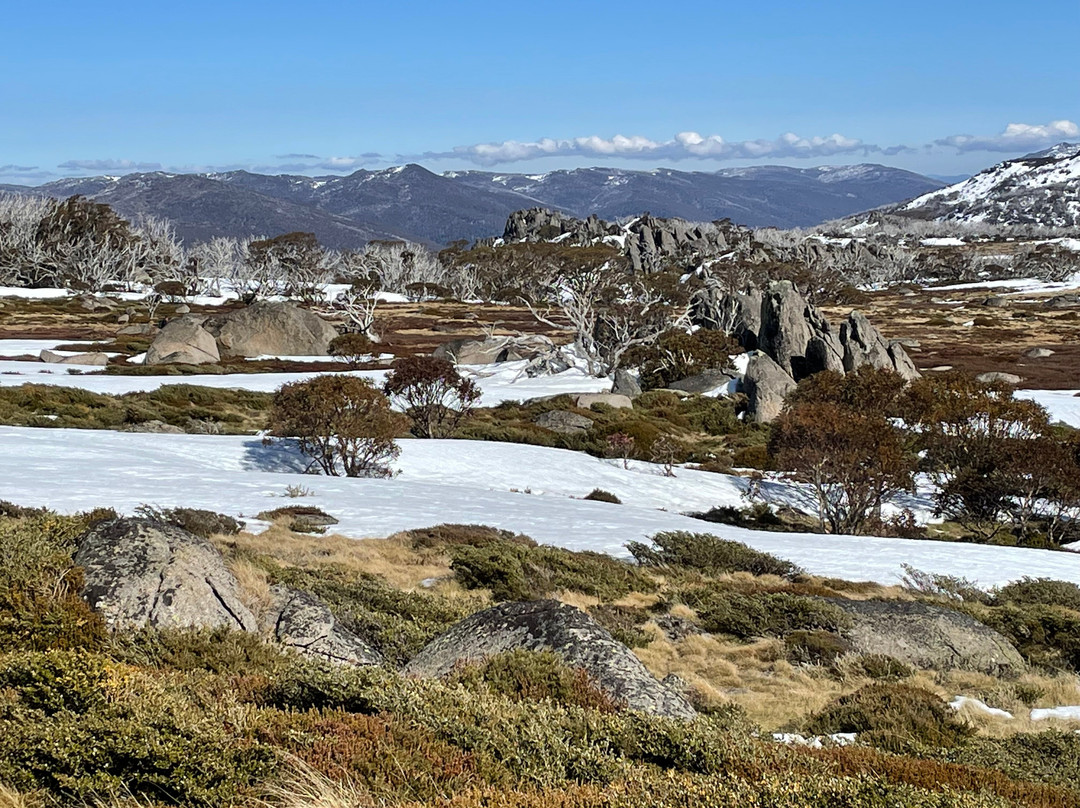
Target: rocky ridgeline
(648, 241)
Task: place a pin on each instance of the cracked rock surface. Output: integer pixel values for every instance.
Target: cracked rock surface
(141, 573)
(929, 637)
(547, 625)
(301, 621)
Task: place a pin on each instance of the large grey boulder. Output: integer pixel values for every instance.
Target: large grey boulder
(997, 377)
(548, 625)
(705, 382)
(929, 636)
(470, 351)
(734, 313)
(766, 384)
(140, 573)
(183, 341)
(274, 329)
(864, 345)
(619, 402)
(302, 622)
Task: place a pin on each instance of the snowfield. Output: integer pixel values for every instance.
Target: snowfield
(522, 488)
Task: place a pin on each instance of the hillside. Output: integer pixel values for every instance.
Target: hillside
(413, 203)
(1042, 188)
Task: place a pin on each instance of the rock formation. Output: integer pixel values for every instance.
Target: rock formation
(548, 625)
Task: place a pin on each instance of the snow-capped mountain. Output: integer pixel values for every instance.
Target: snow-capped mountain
(414, 203)
(1041, 189)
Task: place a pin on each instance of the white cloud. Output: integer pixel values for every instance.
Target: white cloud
(1016, 138)
(684, 146)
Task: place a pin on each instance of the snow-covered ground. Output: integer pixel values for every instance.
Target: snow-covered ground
(521, 488)
(1063, 405)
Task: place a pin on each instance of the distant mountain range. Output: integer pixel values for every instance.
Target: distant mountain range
(1041, 189)
(413, 203)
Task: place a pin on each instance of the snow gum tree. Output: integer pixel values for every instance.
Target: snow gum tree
(432, 393)
(343, 423)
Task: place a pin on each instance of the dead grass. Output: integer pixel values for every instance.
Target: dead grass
(392, 559)
(10, 798)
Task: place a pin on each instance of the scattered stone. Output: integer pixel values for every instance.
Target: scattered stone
(183, 308)
(183, 341)
(123, 319)
(908, 343)
(1038, 353)
(548, 625)
(91, 303)
(139, 573)
(940, 368)
(586, 400)
(997, 376)
(1062, 302)
(303, 622)
(994, 301)
(926, 636)
(139, 330)
(563, 422)
(677, 628)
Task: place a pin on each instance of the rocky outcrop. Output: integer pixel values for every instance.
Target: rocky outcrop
(140, 573)
(540, 224)
(563, 422)
(302, 622)
(766, 384)
(548, 625)
(183, 341)
(734, 313)
(534, 348)
(928, 636)
(796, 335)
(864, 345)
(274, 329)
(625, 384)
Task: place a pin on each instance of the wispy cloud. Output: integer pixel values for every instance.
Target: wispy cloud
(684, 146)
(1016, 138)
(108, 165)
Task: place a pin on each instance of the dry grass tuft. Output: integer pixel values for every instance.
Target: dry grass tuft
(10, 798)
(306, 787)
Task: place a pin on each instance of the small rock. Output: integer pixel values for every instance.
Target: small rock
(563, 422)
(123, 319)
(586, 400)
(301, 621)
(994, 301)
(1062, 301)
(138, 330)
(996, 376)
(1038, 353)
(183, 308)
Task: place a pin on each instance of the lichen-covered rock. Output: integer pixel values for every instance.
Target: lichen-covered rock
(548, 625)
(271, 329)
(95, 358)
(796, 335)
(625, 384)
(765, 384)
(586, 400)
(140, 573)
(927, 636)
(183, 341)
(302, 622)
(563, 422)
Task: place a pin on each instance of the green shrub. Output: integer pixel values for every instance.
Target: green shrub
(600, 495)
(450, 535)
(532, 676)
(708, 554)
(1044, 591)
(678, 355)
(55, 680)
(623, 623)
(763, 615)
(217, 650)
(752, 457)
(194, 520)
(1046, 757)
(815, 647)
(882, 667)
(396, 623)
(1047, 636)
(517, 572)
(893, 717)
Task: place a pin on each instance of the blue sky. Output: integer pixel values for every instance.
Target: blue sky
(328, 87)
